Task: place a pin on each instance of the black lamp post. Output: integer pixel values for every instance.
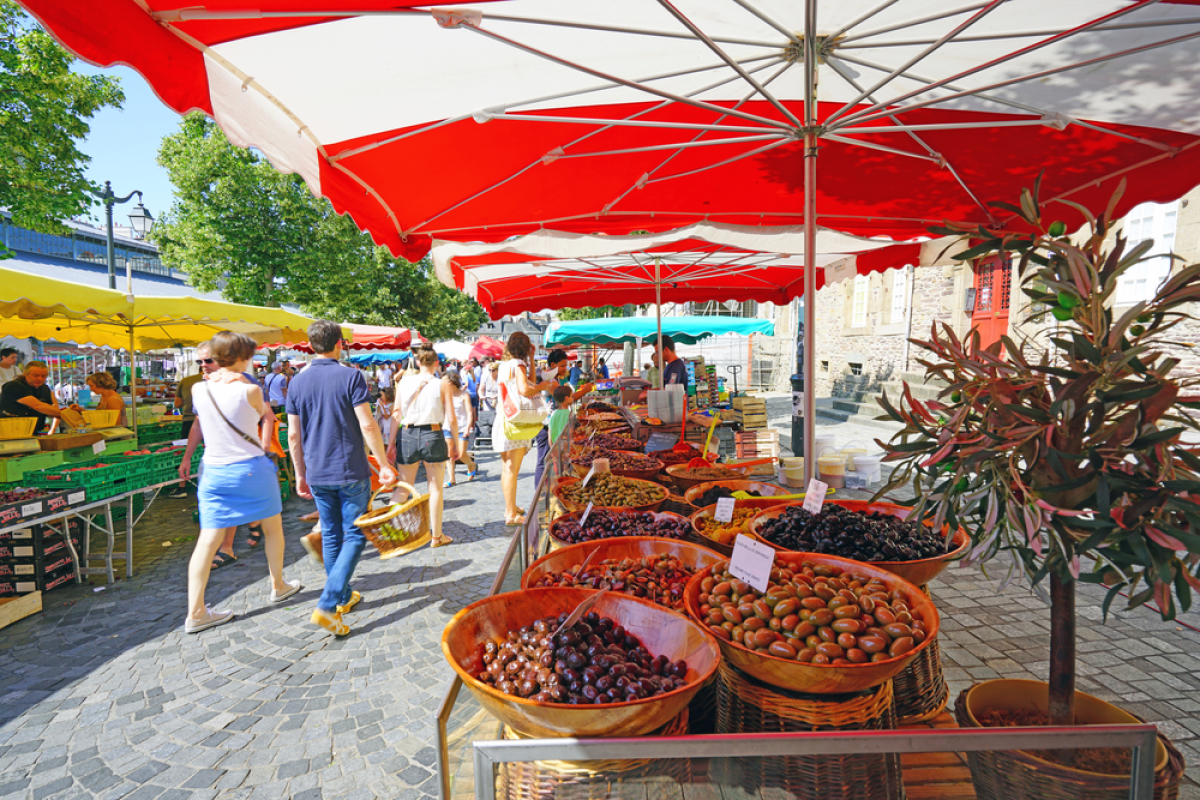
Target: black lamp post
(140, 220)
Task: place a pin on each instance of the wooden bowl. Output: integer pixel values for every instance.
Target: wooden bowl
(630, 444)
(919, 572)
(687, 483)
(663, 632)
(658, 515)
(689, 554)
(817, 678)
(567, 504)
(641, 474)
(707, 511)
(766, 489)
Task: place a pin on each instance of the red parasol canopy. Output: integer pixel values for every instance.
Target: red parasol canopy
(487, 347)
(366, 337)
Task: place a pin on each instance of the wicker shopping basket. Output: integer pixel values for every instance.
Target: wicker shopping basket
(398, 528)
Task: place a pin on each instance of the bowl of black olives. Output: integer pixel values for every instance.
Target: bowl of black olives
(610, 523)
(874, 533)
(625, 668)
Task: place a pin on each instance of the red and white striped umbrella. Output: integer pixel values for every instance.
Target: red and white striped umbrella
(557, 269)
(364, 337)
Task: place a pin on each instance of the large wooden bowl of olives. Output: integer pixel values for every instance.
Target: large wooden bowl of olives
(610, 491)
(874, 533)
(682, 659)
(824, 625)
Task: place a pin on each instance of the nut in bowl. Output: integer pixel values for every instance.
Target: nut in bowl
(678, 651)
(720, 536)
(612, 491)
(825, 625)
(686, 477)
(874, 533)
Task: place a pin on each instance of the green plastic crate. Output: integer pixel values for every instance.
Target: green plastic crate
(84, 455)
(285, 489)
(13, 468)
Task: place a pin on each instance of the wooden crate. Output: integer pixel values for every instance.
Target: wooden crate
(748, 403)
(759, 436)
(13, 609)
(754, 420)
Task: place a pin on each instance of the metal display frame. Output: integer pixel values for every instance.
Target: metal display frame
(527, 543)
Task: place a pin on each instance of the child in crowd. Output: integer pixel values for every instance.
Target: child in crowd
(563, 399)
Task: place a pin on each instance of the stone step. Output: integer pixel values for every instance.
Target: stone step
(865, 408)
(921, 391)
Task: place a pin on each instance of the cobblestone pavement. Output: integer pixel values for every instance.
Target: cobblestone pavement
(102, 695)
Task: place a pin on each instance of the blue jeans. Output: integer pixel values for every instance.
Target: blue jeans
(341, 541)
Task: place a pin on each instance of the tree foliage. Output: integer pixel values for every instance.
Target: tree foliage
(44, 109)
(261, 237)
(602, 312)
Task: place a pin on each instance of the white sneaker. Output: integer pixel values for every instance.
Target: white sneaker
(211, 619)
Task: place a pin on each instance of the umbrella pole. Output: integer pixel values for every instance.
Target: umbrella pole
(658, 313)
(810, 303)
(133, 382)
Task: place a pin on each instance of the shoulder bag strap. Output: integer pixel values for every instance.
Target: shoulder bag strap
(235, 428)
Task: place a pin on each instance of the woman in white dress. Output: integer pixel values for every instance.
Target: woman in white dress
(515, 371)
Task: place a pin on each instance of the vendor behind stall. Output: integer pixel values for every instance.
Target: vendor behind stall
(29, 396)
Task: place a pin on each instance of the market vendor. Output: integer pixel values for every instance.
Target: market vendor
(29, 396)
(674, 370)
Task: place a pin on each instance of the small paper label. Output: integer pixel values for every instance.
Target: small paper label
(814, 497)
(584, 516)
(75, 497)
(724, 512)
(179, 443)
(588, 477)
(752, 562)
(99, 447)
(29, 509)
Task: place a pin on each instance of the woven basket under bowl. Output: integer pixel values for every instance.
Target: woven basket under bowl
(745, 705)
(1016, 774)
(17, 427)
(400, 528)
(921, 691)
(592, 780)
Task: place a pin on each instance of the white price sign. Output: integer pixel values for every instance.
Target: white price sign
(29, 509)
(752, 562)
(179, 443)
(583, 518)
(814, 497)
(75, 497)
(724, 512)
(588, 477)
(99, 447)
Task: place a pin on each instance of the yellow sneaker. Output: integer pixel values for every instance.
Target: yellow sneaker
(330, 622)
(355, 597)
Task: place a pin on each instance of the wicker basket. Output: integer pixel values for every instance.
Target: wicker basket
(592, 780)
(397, 529)
(17, 427)
(745, 705)
(921, 691)
(1015, 774)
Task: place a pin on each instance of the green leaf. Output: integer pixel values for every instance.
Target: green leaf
(1151, 439)
(1112, 594)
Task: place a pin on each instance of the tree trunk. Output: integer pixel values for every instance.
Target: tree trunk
(1062, 651)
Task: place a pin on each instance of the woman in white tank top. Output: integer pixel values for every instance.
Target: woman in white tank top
(464, 415)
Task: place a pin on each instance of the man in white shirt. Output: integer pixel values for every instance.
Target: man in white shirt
(386, 376)
(9, 371)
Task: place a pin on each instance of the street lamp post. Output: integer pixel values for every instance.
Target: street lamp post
(140, 220)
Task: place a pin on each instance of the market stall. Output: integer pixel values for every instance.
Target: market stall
(361, 337)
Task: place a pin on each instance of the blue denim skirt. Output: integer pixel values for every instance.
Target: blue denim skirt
(238, 493)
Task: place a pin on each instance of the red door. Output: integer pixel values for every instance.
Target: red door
(993, 290)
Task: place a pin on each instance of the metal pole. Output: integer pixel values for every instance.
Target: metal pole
(112, 261)
(810, 237)
(133, 382)
(662, 363)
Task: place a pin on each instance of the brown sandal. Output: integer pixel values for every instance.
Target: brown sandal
(440, 541)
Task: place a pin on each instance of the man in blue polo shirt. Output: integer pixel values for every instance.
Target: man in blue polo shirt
(329, 418)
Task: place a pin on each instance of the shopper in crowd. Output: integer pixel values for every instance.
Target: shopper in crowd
(276, 386)
(575, 377)
(105, 386)
(464, 415)
(674, 368)
(29, 396)
(489, 388)
(387, 376)
(602, 369)
(9, 371)
(424, 408)
(650, 373)
(384, 406)
(183, 401)
(238, 484)
(330, 427)
(556, 371)
(517, 374)
(470, 379)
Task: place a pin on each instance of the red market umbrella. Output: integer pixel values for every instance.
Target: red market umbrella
(365, 337)
(487, 347)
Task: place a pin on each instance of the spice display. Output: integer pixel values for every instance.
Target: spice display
(605, 524)
(707, 474)
(716, 493)
(617, 459)
(671, 457)
(595, 661)
(815, 614)
(660, 578)
(725, 532)
(599, 406)
(838, 531)
(611, 442)
(607, 489)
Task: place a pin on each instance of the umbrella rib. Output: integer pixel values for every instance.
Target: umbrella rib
(872, 112)
(618, 81)
(767, 18)
(859, 20)
(912, 23)
(614, 123)
(884, 148)
(723, 163)
(885, 80)
(865, 117)
(989, 37)
(675, 146)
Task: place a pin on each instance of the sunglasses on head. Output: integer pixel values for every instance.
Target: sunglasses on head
(203, 361)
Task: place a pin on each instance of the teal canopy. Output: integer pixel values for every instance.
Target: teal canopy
(683, 330)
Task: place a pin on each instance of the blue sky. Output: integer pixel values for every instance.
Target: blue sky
(123, 144)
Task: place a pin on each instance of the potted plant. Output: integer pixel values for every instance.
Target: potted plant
(1063, 450)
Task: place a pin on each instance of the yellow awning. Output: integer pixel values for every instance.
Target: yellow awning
(44, 308)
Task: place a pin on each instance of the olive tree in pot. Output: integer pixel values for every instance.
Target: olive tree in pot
(1064, 451)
